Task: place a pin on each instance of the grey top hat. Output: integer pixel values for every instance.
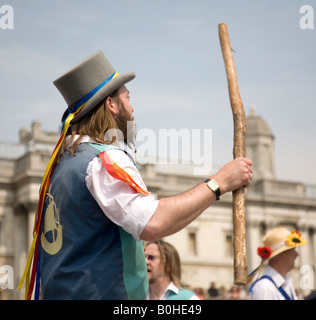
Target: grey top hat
(91, 81)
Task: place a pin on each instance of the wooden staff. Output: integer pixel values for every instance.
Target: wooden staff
(239, 118)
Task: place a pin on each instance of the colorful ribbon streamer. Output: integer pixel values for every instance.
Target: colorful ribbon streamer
(254, 272)
(34, 250)
(117, 172)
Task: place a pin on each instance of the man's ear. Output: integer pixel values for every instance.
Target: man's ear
(112, 105)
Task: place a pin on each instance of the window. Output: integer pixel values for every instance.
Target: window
(229, 244)
(1, 234)
(192, 243)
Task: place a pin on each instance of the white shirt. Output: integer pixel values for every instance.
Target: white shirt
(266, 290)
(172, 288)
(119, 202)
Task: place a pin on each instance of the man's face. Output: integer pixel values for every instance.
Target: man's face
(290, 257)
(155, 264)
(124, 98)
(125, 114)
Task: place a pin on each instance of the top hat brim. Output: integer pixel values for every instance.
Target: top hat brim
(105, 91)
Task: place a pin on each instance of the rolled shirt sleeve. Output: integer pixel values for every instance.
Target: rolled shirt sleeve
(119, 202)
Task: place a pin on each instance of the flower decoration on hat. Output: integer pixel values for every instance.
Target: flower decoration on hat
(295, 239)
(264, 252)
(288, 240)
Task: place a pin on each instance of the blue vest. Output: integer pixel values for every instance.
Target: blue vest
(83, 254)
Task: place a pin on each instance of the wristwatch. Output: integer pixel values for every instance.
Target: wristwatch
(214, 186)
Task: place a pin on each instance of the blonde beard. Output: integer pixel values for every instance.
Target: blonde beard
(126, 124)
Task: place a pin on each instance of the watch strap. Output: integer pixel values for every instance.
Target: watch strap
(217, 191)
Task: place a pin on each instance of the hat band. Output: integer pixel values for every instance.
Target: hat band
(88, 96)
(278, 246)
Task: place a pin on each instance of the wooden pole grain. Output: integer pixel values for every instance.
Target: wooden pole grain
(239, 120)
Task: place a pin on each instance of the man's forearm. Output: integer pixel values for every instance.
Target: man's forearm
(176, 212)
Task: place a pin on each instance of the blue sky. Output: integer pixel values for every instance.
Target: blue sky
(173, 48)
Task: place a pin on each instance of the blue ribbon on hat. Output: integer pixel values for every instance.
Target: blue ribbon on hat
(88, 96)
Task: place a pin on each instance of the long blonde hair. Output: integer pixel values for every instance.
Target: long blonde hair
(94, 124)
(171, 258)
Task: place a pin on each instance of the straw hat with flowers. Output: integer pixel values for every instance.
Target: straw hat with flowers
(274, 242)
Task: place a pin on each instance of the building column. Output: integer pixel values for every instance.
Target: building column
(253, 242)
(312, 250)
(24, 220)
(20, 247)
(304, 251)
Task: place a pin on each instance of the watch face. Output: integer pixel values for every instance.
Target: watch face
(213, 185)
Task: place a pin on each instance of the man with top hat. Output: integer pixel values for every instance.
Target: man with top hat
(94, 208)
(280, 251)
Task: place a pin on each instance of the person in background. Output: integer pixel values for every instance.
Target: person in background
(213, 291)
(280, 251)
(164, 273)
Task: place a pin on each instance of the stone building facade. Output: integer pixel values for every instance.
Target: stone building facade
(205, 246)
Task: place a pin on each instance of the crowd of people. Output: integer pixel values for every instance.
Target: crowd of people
(222, 293)
(234, 292)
